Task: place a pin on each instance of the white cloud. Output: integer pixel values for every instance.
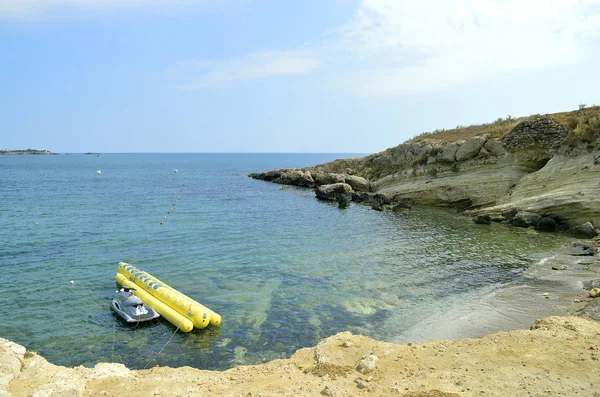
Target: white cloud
(28, 8)
(254, 66)
(407, 46)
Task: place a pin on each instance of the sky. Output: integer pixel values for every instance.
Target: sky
(334, 76)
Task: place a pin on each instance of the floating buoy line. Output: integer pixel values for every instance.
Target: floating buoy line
(181, 311)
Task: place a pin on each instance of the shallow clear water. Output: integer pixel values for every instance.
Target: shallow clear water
(283, 269)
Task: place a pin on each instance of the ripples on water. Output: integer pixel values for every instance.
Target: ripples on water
(283, 269)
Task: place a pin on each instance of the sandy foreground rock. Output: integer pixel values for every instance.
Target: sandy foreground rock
(558, 356)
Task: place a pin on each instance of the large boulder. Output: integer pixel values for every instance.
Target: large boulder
(547, 224)
(448, 155)
(358, 183)
(295, 177)
(329, 178)
(525, 219)
(586, 230)
(330, 192)
(470, 148)
(494, 146)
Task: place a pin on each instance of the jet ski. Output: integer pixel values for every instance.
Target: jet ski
(130, 307)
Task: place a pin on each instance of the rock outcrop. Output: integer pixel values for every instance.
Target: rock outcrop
(538, 167)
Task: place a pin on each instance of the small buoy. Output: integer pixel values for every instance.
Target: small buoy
(175, 170)
(161, 223)
(98, 172)
(165, 216)
(72, 282)
(37, 224)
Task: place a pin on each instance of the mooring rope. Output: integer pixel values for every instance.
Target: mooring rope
(163, 348)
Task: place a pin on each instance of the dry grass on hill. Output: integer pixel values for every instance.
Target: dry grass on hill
(584, 124)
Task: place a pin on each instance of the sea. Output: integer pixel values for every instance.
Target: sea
(283, 269)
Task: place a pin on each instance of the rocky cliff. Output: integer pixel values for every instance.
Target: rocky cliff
(548, 165)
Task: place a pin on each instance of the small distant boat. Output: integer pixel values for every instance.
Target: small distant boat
(175, 170)
(130, 307)
(98, 172)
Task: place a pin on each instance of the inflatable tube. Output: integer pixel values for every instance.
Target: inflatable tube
(169, 314)
(200, 315)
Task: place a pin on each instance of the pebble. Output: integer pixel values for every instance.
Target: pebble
(559, 267)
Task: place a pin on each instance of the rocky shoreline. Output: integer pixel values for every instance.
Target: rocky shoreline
(556, 356)
(538, 175)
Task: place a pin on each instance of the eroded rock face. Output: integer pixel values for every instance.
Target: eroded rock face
(543, 133)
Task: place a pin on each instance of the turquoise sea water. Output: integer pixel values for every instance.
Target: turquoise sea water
(283, 269)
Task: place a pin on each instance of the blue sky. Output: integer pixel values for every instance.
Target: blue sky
(343, 76)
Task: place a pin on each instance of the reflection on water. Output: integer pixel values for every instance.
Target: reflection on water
(283, 269)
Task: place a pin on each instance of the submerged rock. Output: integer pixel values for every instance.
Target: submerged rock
(584, 249)
(343, 199)
(482, 219)
(591, 284)
(401, 207)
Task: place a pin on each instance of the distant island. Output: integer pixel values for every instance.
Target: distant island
(93, 153)
(26, 151)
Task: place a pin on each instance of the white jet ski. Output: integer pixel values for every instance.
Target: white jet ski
(130, 307)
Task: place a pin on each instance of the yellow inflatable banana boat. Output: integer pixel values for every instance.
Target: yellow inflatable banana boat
(168, 314)
(199, 315)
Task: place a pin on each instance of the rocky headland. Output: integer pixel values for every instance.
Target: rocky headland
(539, 171)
